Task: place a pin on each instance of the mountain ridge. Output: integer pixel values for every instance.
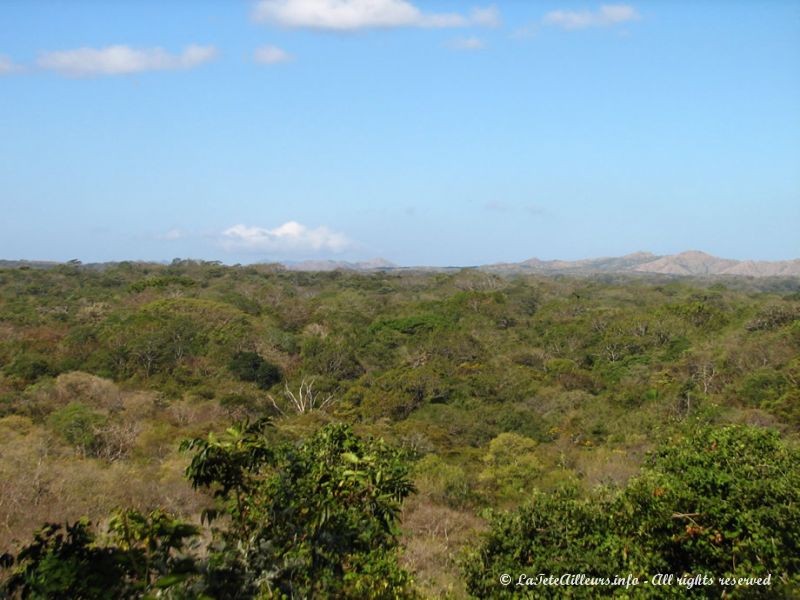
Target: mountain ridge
(687, 264)
(691, 263)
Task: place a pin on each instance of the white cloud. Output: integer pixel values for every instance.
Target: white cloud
(486, 17)
(123, 60)
(526, 31)
(7, 65)
(270, 55)
(291, 237)
(607, 15)
(351, 15)
(468, 43)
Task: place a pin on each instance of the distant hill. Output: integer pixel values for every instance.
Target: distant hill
(376, 264)
(688, 263)
(691, 263)
(584, 266)
(30, 264)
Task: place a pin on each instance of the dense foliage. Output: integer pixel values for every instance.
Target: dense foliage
(144, 554)
(249, 366)
(724, 503)
(496, 389)
(318, 519)
(308, 520)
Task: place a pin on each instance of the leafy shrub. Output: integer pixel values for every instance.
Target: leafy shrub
(773, 317)
(787, 407)
(412, 325)
(78, 425)
(69, 562)
(441, 482)
(761, 386)
(316, 519)
(161, 283)
(65, 563)
(30, 368)
(249, 366)
(723, 502)
(335, 359)
(241, 404)
(511, 467)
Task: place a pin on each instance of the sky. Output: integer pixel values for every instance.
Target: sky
(425, 133)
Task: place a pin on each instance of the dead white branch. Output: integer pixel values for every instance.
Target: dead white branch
(305, 400)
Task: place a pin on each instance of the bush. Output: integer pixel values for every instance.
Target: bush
(241, 405)
(69, 562)
(721, 502)
(331, 358)
(511, 467)
(760, 387)
(78, 425)
(442, 483)
(30, 368)
(316, 519)
(249, 366)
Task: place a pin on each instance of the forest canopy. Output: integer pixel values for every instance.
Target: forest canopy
(422, 429)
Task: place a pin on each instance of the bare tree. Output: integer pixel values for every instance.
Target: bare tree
(306, 400)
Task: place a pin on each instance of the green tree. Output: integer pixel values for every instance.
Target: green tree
(724, 502)
(78, 425)
(318, 519)
(511, 467)
(229, 465)
(249, 366)
(147, 555)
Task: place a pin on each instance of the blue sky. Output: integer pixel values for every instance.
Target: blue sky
(441, 133)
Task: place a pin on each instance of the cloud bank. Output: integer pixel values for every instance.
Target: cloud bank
(468, 43)
(271, 55)
(352, 15)
(290, 238)
(7, 65)
(122, 60)
(606, 16)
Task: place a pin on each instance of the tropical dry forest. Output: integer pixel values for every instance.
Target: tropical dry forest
(194, 430)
